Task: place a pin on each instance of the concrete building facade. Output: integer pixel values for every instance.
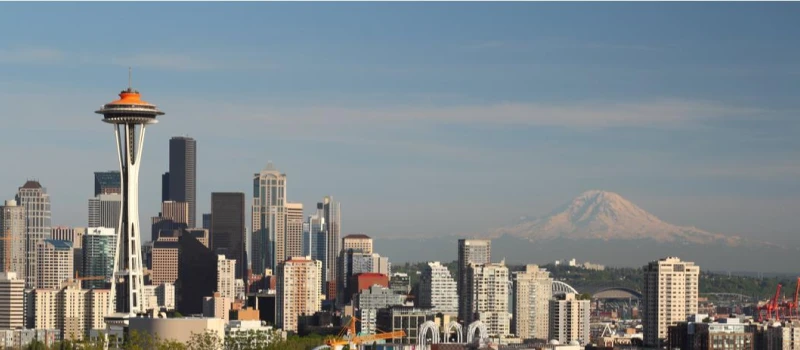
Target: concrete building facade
(297, 291)
(13, 257)
(569, 320)
(104, 210)
(226, 277)
(36, 201)
(437, 289)
(470, 251)
(55, 263)
(268, 219)
(669, 296)
(531, 296)
(12, 308)
(487, 295)
(294, 229)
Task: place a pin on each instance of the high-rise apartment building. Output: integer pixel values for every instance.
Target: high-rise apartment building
(99, 248)
(357, 242)
(470, 251)
(226, 277)
(487, 291)
(669, 295)
(173, 216)
(72, 310)
(269, 218)
(13, 257)
(183, 174)
(107, 182)
(227, 228)
(569, 319)
(12, 307)
(164, 260)
(36, 201)
(104, 210)
(55, 263)
(297, 291)
(437, 289)
(369, 301)
(294, 229)
(533, 289)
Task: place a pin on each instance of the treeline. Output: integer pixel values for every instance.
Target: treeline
(247, 340)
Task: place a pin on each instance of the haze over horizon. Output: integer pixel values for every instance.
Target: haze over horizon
(421, 122)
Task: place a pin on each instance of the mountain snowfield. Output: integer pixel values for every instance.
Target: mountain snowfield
(608, 216)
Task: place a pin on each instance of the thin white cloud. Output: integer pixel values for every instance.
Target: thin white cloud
(31, 55)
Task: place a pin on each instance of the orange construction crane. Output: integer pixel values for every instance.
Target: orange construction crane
(770, 307)
(348, 335)
(789, 307)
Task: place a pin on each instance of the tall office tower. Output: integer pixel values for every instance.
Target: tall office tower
(357, 242)
(36, 201)
(107, 182)
(297, 291)
(55, 263)
(104, 210)
(269, 218)
(487, 291)
(173, 216)
(164, 260)
(569, 320)
(226, 277)
(668, 297)
(333, 227)
(227, 228)
(12, 309)
(197, 275)
(437, 289)
(128, 114)
(532, 292)
(470, 251)
(183, 173)
(294, 229)
(316, 242)
(99, 248)
(207, 221)
(13, 253)
(165, 187)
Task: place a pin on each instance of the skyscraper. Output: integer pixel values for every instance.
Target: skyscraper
(165, 187)
(173, 216)
(569, 319)
(316, 241)
(227, 228)
(294, 229)
(99, 248)
(477, 251)
(269, 218)
(13, 253)
(197, 274)
(532, 291)
(297, 291)
(183, 173)
(106, 182)
(130, 116)
(669, 295)
(104, 210)
(36, 201)
(487, 295)
(333, 228)
(55, 263)
(437, 289)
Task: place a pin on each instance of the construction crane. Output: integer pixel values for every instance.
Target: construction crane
(349, 336)
(789, 307)
(770, 307)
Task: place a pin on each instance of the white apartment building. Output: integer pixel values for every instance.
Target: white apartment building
(226, 277)
(532, 293)
(12, 308)
(437, 289)
(487, 291)
(72, 310)
(297, 291)
(55, 263)
(569, 320)
(669, 295)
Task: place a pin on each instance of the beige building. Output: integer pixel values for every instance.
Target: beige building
(159, 297)
(173, 216)
(783, 336)
(269, 219)
(55, 263)
(12, 308)
(357, 242)
(13, 257)
(72, 310)
(669, 295)
(532, 293)
(226, 277)
(294, 229)
(72, 234)
(569, 319)
(217, 306)
(298, 291)
(178, 329)
(487, 288)
(164, 261)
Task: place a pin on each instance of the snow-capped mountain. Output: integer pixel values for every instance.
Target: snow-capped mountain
(606, 215)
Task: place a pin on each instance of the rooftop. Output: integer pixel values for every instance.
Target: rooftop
(59, 244)
(357, 236)
(32, 184)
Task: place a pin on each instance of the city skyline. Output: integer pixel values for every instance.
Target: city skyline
(698, 128)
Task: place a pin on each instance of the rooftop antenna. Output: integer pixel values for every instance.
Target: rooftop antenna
(130, 79)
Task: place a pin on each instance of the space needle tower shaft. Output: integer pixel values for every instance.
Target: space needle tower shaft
(130, 116)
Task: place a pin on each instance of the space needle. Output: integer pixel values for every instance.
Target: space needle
(130, 116)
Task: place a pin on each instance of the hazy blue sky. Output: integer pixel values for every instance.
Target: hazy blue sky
(422, 118)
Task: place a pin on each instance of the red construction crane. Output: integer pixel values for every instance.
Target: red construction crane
(789, 307)
(771, 306)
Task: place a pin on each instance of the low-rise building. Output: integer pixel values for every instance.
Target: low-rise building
(698, 334)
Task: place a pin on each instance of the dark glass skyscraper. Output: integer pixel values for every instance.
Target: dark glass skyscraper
(227, 228)
(182, 176)
(106, 182)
